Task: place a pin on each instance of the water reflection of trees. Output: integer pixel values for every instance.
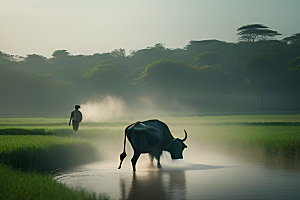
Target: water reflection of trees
(154, 185)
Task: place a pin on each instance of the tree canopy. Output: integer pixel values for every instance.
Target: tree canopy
(255, 32)
(60, 53)
(209, 75)
(294, 39)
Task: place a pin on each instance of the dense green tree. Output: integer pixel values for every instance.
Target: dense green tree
(294, 69)
(261, 67)
(34, 63)
(23, 94)
(144, 57)
(207, 58)
(292, 40)
(119, 52)
(5, 61)
(106, 66)
(202, 46)
(160, 46)
(9, 61)
(60, 53)
(106, 77)
(255, 32)
(165, 81)
(209, 74)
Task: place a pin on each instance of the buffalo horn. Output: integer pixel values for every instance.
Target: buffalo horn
(185, 136)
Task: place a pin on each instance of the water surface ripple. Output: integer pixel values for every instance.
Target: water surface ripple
(187, 181)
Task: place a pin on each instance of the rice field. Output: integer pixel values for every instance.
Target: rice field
(45, 144)
(22, 131)
(277, 135)
(44, 153)
(271, 139)
(269, 134)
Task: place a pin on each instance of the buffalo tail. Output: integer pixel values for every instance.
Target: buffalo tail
(123, 155)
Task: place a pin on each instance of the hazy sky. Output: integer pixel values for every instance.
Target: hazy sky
(90, 26)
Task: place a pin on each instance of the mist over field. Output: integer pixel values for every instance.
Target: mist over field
(103, 109)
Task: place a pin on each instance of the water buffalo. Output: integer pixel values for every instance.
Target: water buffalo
(153, 137)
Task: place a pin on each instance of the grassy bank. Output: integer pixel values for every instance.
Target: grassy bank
(15, 184)
(26, 151)
(44, 153)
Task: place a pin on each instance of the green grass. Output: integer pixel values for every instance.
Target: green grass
(31, 146)
(15, 184)
(59, 127)
(22, 131)
(44, 153)
(236, 119)
(277, 135)
(36, 121)
(52, 123)
(270, 134)
(267, 139)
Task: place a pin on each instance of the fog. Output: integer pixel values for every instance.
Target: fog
(106, 108)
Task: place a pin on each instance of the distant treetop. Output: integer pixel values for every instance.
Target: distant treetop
(294, 39)
(255, 33)
(251, 26)
(60, 53)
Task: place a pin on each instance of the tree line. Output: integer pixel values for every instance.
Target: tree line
(256, 73)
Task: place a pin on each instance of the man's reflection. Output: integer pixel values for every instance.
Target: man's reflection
(154, 185)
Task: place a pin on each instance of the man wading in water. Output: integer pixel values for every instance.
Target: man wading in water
(77, 117)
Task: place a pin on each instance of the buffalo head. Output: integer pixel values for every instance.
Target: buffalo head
(176, 147)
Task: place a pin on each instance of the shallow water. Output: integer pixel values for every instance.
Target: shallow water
(184, 180)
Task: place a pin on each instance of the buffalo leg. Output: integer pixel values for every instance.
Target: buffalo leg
(157, 156)
(134, 159)
(138, 143)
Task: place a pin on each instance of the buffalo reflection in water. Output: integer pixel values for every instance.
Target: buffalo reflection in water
(154, 185)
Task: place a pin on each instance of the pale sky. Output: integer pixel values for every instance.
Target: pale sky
(96, 26)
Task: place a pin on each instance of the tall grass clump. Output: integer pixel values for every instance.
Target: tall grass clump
(22, 131)
(44, 153)
(275, 140)
(33, 121)
(15, 184)
(266, 139)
